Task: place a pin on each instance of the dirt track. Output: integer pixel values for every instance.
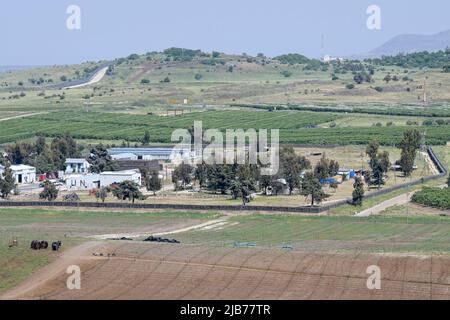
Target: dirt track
(156, 271)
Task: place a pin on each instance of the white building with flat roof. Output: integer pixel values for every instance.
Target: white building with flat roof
(22, 174)
(77, 166)
(110, 177)
(79, 182)
(173, 155)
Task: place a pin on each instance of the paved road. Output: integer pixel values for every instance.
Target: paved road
(98, 76)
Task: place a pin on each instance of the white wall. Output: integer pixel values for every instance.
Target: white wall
(109, 178)
(82, 182)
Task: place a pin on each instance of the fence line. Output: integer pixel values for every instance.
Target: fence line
(311, 210)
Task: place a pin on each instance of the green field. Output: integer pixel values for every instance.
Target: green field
(110, 126)
(292, 124)
(374, 234)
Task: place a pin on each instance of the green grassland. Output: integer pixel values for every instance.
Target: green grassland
(256, 80)
(374, 234)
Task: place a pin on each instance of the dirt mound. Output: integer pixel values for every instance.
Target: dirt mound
(165, 271)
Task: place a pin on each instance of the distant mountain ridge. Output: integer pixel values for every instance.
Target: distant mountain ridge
(409, 43)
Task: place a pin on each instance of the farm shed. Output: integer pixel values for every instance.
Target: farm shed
(139, 164)
(23, 174)
(162, 154)
(124, 156)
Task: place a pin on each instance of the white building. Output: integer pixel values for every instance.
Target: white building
(77, 182)
(77, 166)
(82, 182)
(124, 156)
(111, 177)
(173, 155)
(327, 58)
(22, 174)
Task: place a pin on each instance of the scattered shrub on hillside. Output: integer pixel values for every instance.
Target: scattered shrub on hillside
(350, 86)
(379, 89)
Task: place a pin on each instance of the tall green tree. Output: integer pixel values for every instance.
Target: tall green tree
(326, 168)
(242, 189)
(7, 182)
(312, 189)
(201, 174)
(146, 138)
(20, 152)
(409, 146)
(292, 166)
(372, 152)
(152, 181)
(64, 147)
(358, 192)
(50, 192)
(385, 161)
(219, 177)
(100, 160)
(128, 190)
(183, 174)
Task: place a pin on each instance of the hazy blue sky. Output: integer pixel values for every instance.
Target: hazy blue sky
(35, 33)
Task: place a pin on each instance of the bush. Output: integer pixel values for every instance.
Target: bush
(379, 89)
(72, 197)
(286, 73)
(198, 76)
(433, 197)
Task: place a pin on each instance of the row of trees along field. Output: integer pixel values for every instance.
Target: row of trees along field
(240, 181)
(296, 171)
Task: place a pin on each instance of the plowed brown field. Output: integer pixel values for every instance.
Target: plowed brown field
(156, 271)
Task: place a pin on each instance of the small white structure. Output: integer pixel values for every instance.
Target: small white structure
(22, 174)
(77, 166)
(327, 58)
